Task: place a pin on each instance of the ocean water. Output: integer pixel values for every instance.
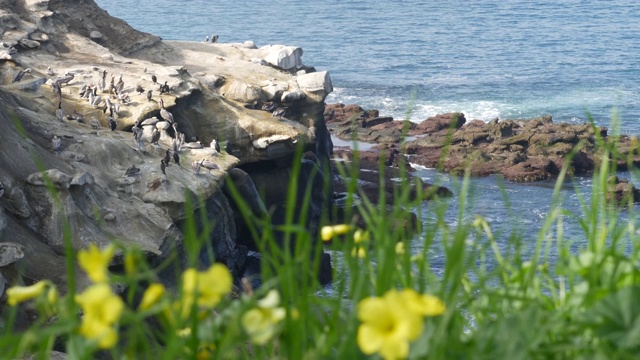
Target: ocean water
(413, 59)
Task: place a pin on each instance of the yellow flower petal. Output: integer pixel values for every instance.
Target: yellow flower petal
(326, 233)
(271, 300)
(213, 284)
(400, 248)
(151, 296)
(360, 236)
(20, 294)
(101, 311)
(95, 262)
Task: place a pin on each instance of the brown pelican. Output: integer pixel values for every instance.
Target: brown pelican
(176, 144)
(119, 85)
(155, 137)
(132, 171)
(166, 115)
(208, 164)
(60, 112)
(65, 79)
(149, 95)
(154, 79)
(193, 145)
(167, 157)
(50, 72)
(94, 98)
(102, 83)
(56, 90)
(83, 91)
(56, 143)
(20, 74)
(197, 166)
(163, 166)
(150, 121)
(176, 158)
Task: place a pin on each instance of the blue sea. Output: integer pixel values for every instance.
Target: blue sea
(414, 59)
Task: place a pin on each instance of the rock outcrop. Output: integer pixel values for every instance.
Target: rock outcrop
(62, 166)
(521, 150)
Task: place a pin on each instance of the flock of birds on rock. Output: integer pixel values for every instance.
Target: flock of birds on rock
(93, 92)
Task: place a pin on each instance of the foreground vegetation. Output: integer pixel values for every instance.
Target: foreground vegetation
(386, 301)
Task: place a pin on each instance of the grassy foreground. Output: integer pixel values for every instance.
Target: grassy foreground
(386, 302)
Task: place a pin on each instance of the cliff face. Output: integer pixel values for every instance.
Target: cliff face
(214, 92)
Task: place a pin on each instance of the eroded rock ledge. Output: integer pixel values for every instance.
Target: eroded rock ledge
(260, 105)
(521, 150)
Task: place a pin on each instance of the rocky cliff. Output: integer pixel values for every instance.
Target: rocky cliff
(86, 117)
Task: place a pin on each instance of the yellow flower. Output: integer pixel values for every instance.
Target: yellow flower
(400, 248)
(360, 236)
(151, 296)
(426, 305)
(129, 263)
(204, 288)
(387, 326)
(261, 322)
(328, 232)
(213, 284)
(358, 251)
(20, 294)
(95, 262)
(102, 310)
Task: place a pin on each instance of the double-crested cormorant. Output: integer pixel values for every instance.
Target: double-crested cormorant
(215, 145)
(155, 137)
(132, 171)
(139, 89)
(176, 157)
(167, 157)
(163, 167)
(154, 79)
(164, 89)
(56, 143)
(113, 124)
(166, 115)
(149, 94)
(60, 112)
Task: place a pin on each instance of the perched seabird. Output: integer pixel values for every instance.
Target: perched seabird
(119, 85)
(132, 171)
(279, 112)
(150, 121)
(215, 145)
(166, 115)
(94, 98)
(107, 105)
(83, 90)
(208, 164)
(60, 112)
(206, 39)
(102, 83)
(78, 116)
(198, 165)
(56, 143)
(163, 167)
(176, 158)
(20, 74)
(176, 144)
(139, 89)
(155, 137)
(167, 157)
(94, 123)
(154, 79)
(164, 89)
(193, 145)
(149, 94)
(50, 72)
(56, 90)
(65, 79)
(214, 38)
(113, 124)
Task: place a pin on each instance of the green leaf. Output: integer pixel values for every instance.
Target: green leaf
(617, 318)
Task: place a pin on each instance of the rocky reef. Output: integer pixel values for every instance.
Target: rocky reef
(83, 102)
(521, 150)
